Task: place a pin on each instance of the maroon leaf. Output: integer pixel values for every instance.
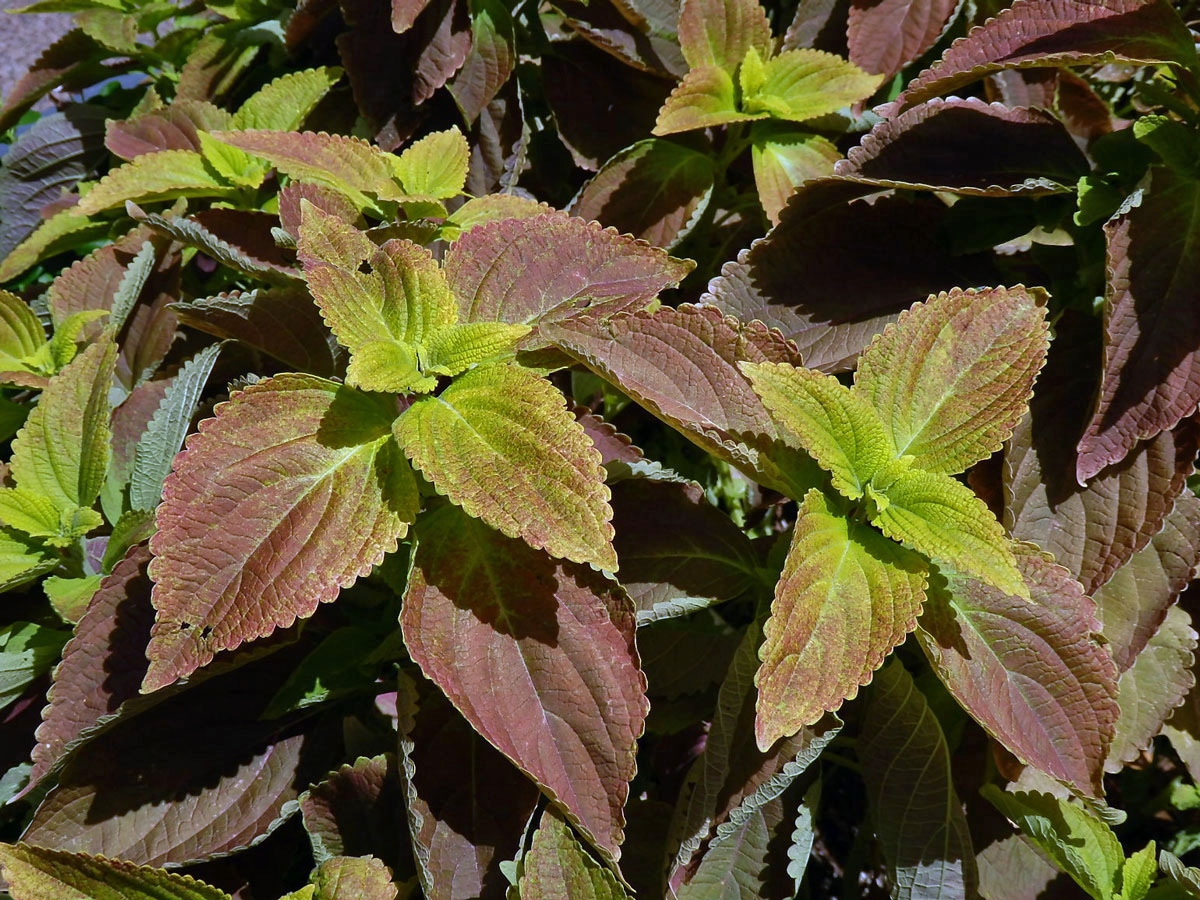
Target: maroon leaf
(90, 283)
(172, 128)
(1092, 530)
(443, 33)
(969, 147)
(75, 59)
(405, 12)
(603, 25)
(886, 36)
(685, 655)
(612, 444)
(1152, 327)
(490, 63)
(284, 463)
(486, 613)
(1033, 674)
(468, 805)
(323, 198)
(1061, 91)
(1033, 33)
(807, 277)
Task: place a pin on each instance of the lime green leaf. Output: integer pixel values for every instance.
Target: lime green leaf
(234, 165)
(39, 517)
(327, 238)
(557, 867)
(942, 518)
(61, 231)
(753, 73)
(1080, 843)
(61, 349)
(37, 873)
(804, 84)
(26, 652)
(953, 376)
(719, 32)
(22, 559)
(155, 176)
(456, 348)
(435, 166)
(841, 431)
(69, 597)
(500, 443)
(389, 366)
(784, 159)
(353, 878)
(284, 104)
(21, 334)
(1139, 872)
(846, 597)
(706, 97)
(62, 451)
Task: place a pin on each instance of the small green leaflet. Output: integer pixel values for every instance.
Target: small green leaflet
(26, 651)
(557, 867)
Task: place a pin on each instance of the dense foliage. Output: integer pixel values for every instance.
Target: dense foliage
(835, 550)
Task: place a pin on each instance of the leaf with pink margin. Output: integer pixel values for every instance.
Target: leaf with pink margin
(485, 613)
(468, 806)
(1040, 33)
(1093, 531)
(846, 597)
(239, 549)
(549, 268)
(1034, 674)
(1151, 351)
(324, 198)
(885, 37)
(968, 147)
(173, 128)
(719, 32)
(706, 97)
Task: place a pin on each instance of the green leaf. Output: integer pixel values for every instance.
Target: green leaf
(846, 597)
(233, 165)
(824, 417)
(803, 84)
(284, 104)
(389, 366)
(952, 377)
(62, 451)
(63, 230)
(544, 481)
(434, 167)
(328, 238)
(26, 652)
(129, 288)
(22, 559)
(1138, 873)
(1076, 840)
(164, 175)
(38, 516)
(70, 597)
(557, 866)
(784, 159)
(456, 348)
(706, 97)
(720, 32)
(21, 334)
(942, 518)
(353, 878)
(37, 873)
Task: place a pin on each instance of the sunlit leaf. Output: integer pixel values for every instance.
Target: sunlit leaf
(435, 166)
(155, 176)
(558, 866)
(35, 873)
(284, 104)
(785, 158)
(706, 97)
(719, 32)
(803, 84)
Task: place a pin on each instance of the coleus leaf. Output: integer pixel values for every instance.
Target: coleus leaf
(822, 416)
(353, 878)
(1035, 675)
(36, 873)
(803, 84)
(846, 597)
(164, 175)
(284, 103)
(886, 37)
(1151, 371)
(952, 376)
(435, 166)
(915, 810)
(742, 865)
(22, 559)
(21, 334)
(491, 62)
(558, 866)
(358, 810)
(62, 231)
(483, 611)
(719, 32)
(92, 282)
(282, 462)
(706, 97)
(545, 482)
(173, 128)
(627, 36)
(468, 806)
(1038, 33)
(27, 651)
(783, 159)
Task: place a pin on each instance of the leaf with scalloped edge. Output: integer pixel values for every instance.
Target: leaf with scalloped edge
(951, 378)
(557, 866)
(799, 85)
(819, 414)
(284, 103)
(152, 177)
(62, 451)
(325, 237)
(37, 873)
(544, 481)
(64, 230)
(21, 334)
(538, 655)
(1151, 354)
(1035, 675)
(435, 166)
(914, 808)
(284, 462)
(491, 62)
(846, 597)
(353, 878)
(22, 559)
(1039, 33)
(456, 348)
(549, 268)
(785, 158)
(719, 32)
(705, 98)
(885, 37)
(942, 518)
(358, 810)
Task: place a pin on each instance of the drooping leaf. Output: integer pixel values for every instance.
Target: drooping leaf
(819, 414)
(705, 98)
(914, 808)
(886, 37)
(485, 612)
(22, 559)
(21, 334)
(284, 104)
(785, 158)
(353, 878)
(164, 175)
(804, 84)
(91, 282)
(1151, 365)
(73, 59)
(627, 36)
(741, 866)
(358, 810)
(284, 462)
(846, 597)
(27, 651)
(719, 32)
(544, 484)
(491, 62)
(558, 866)
(1034, 33)
(36, 873)
(542, 269)
(942, 518)
(1034, 674)
(62, 231)
(952, 377)
(435, 166)
(468, 805)
(172, 128)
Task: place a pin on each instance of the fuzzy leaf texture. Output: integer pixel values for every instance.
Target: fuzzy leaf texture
(799, 85)
(719, 32)
(35, 873)
(558, 866)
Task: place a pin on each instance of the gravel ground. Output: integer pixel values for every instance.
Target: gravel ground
(23, 38)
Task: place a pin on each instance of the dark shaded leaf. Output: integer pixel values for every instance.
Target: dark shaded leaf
(885, 37)
(75, 59)
(358, 810)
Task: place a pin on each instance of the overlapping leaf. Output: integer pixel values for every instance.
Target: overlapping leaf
(353, 878)
(242, 544)
(163, 175)
(804, 84)
(885, 37)
(358, 810)
(35, 873)
(719, 32)
(784, 159)
(486, 613)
